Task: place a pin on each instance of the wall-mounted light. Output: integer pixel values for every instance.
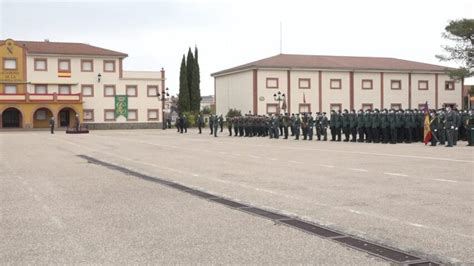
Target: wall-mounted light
(98, 77)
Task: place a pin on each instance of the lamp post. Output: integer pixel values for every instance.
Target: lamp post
(163, 96)
(279, 97)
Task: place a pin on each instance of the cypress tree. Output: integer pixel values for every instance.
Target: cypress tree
(196, 80)
(189, 69)
(184, 104)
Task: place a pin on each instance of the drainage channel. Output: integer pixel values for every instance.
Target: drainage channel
(385, 252)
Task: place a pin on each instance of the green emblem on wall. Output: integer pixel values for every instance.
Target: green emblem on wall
(121, 106)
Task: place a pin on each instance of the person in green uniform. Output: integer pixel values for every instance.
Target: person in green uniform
(434, 121)
(324, 126)
(346, 125)
(338, 125)
(332, 125)
(353, 125)
(297, 127)
(286, 124)
(215, 123)
(385, 126)
(376, 126)
(450, 124)
(230, 121)
(360, 125)
(470, 128)
(409, 125)
(200, 122)
(368, 126)
(310, 126)
(393, 125)
(441, 127)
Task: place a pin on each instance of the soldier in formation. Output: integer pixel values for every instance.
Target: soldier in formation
(370, 126)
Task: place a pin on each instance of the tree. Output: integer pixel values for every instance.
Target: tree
(195, 89)
(190, 70)
(184, 104)
(461, 32)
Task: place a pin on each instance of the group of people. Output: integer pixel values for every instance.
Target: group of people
(372, 126)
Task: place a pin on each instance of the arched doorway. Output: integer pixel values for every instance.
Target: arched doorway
(66, 117)
(11, 118)
(41, 118)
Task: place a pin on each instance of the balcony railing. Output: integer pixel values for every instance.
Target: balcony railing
(40, 98)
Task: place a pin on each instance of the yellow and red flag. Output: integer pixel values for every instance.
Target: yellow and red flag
(427, 130)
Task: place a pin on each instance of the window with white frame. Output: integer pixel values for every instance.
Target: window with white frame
(272, 108)
(109, 66)
(10, 89)
(335, 107)
(152, 91)
(131, 90)
(64, 89)
(87, 90)
(449, 85)
(132, 115)
(40, 64)
(423, 85)
(396, 106)
(87, 66)
(335, 84)
(64, 65)
(109, 90)
(88, 115)
(396, 85)
(41, 89)
(109, 115)
(153, 115)
(367, 106)
(9, 63)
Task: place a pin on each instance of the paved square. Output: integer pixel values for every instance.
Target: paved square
(57, 208)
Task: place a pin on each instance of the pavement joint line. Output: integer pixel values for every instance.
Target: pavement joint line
(395, 174)
(327, 165)
(298, 162)
(267, 214)
(445, 180)
(359, 169)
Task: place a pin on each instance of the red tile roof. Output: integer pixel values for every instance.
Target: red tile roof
(287, 61)
(65, 48)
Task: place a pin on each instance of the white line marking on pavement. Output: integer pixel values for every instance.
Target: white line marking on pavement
(358, 169)
(417, 225)
(395, 174)
(354, 211)
(195, 175)
(327, 165)
(295, 162)
(446, 180)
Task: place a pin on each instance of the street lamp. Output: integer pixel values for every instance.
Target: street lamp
(279, 97)
(163, 96)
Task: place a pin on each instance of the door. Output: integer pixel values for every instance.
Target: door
(64, 118)
(11, 118)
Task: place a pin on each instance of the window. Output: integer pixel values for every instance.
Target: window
(449, 85)
(336, 107)
(64, 89)
(41, 89)
(272, 108)
(87, 90)
(367, 84)
(335, 84)
(396, 106)
(422, 84)
(131, 90)
(41, 64)
(87, 65)
(272, 83)
(109, 90)
(367, 106)
(9, 63)
(304, 83)
(109, 66)
(396, 84)
(304, 108)
(153, 114)
(10, 89)
(132, 115)
(41, 115)
(64, 65)
(88, 115)
(152, 91)
(109, 115)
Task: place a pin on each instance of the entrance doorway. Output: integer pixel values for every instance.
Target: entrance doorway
(66, 117)
(41, 118)
(11, 118)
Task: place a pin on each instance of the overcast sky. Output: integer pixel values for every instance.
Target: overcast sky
(228, 33)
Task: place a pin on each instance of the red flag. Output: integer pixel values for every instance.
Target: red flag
(427, 130)
(304, 98)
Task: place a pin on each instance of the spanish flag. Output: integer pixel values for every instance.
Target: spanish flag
(427, 131)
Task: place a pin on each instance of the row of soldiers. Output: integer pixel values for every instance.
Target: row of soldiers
(371, 126)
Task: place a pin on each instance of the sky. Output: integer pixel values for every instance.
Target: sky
(156, 34)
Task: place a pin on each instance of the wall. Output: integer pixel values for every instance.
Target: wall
(234, 91)
(17, 76)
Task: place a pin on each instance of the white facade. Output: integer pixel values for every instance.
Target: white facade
(140, 86)
(323, 89)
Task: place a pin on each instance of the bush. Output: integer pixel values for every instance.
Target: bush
(192, 118)
(206, 110)
(233, 113)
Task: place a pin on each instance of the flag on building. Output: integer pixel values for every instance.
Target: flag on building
(304, 98)
(427, 130)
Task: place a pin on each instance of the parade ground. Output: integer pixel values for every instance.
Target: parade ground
(113, 197)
